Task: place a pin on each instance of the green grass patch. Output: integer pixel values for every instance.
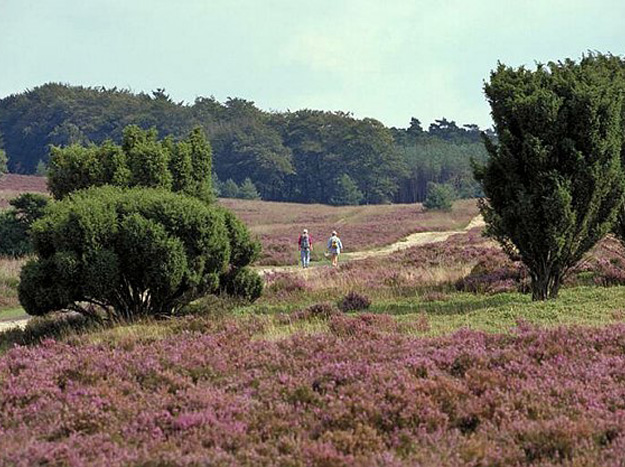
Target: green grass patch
(584, 306)
(12, 313)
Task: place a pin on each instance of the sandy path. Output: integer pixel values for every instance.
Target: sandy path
(13, 323)
(419, 238)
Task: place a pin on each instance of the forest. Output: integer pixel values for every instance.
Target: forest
(307, 156)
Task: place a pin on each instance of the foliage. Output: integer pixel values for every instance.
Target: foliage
(290, 156)
(129, 253)
(554, 182)
(440, 161)
(440, 197)
(15, 223)
(230, 189)
(41, 169)
(248, 190)
(346, 192)
(3, 162)
(324, 144)
(141, 160)
(244, 283)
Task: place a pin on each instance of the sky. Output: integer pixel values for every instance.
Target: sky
(385, 59)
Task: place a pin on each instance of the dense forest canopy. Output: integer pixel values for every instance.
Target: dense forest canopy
(304, 156)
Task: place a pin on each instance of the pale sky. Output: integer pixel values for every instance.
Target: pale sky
(390, 60)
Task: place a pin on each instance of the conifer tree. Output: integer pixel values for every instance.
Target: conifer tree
(553, 181)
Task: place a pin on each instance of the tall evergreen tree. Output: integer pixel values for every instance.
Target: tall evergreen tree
(553, 182)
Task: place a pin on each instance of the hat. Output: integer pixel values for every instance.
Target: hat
(334, 232)
(305, 231)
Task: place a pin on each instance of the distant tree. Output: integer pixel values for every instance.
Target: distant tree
(148, 159)
(202, 165)
(440, 197)
(72, 168)
(216, 185)
(553, 182)
(443, 162)
(180, 165)
(142, 160)
(248, 190)
(230, 189)
(3, 162)
(346, 192)
(113, 252)
(41, 170)
(16, 221)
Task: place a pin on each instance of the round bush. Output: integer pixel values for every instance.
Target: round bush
(129, 252)
(354, 301)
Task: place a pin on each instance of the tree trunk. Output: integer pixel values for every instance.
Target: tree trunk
(546, 284)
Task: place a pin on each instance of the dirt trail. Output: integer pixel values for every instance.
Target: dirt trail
(419, 238)
(13, 323)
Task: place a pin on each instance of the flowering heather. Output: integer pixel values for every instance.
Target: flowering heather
(352, 397)
(278, 225)
(354, 301)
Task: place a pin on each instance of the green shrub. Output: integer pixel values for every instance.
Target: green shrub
(15, 223)
(440, 197)
(133, 252)
(243, 283)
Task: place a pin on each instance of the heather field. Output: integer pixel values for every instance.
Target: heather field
(357, 395)
(432, 355)
(278, 225)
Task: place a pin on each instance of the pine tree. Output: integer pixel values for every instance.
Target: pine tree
(248, 190)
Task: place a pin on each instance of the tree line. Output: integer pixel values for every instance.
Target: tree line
(303, 156)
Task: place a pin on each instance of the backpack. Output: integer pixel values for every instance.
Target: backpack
(305, 242)
(335, 244)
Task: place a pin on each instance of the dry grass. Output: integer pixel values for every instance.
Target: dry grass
(9, 278)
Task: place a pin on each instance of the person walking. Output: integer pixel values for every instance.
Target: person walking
(305, 247)
(334, 247)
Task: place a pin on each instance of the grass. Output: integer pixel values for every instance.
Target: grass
(12, 313)
(577, 306)
(9, 279)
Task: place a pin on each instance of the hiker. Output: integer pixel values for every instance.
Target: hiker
(334, 247)
(305, 247)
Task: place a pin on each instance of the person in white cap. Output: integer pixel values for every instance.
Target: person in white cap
(305, 247)
(334, 247)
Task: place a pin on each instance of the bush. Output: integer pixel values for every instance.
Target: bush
(133, 252)
(354, 301)
(439, 197)
(243, 283)
(15, 223)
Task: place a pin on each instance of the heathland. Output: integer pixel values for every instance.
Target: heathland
(428, 355)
